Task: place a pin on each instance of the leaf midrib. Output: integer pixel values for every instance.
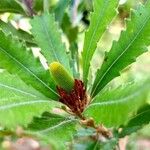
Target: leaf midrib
(140, 114)
(16, 89)
(117, 101)
(50, 43)
(28, 70)
(56, 126)
(8, 106)
(120, 55)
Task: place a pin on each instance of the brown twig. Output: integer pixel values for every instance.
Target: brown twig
(100, 129)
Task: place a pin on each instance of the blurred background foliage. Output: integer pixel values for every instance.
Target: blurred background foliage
(73, 19)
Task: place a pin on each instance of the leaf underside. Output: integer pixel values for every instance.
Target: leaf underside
(132, 43)
(47, 36)
(137, 122)
(16, 59)
(54, 128)
(20, 102)
(114, 107)
(104, 12)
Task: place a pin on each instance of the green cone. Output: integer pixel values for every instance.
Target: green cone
(61, 76)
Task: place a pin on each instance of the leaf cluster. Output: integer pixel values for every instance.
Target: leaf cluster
(28, 93)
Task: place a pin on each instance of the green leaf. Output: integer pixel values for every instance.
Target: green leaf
(20, 102)
(83, 141)
(87, 145)
(70, 31)
(46, 121)
(8, 28)
(17, 60)
(114, 107)
(60, 9)
(110, 144)
(72, 35)
(38, 5)
(10, 6)
(137, 122)
(104, 12)
(96, 145)
(46, 33)
(132, 43)
(55, 128)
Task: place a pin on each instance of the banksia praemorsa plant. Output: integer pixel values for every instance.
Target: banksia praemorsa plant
(63, 101)
(71, 91)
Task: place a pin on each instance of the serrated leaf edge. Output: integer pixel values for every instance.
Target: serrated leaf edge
(57, 126)
(29, 51)
(133, 60)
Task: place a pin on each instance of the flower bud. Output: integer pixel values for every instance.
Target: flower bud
(61, 76)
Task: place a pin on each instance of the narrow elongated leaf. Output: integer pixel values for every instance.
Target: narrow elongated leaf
(55, 128)
(46, 121)
(46, 33)
(60, 10)
(72, 35)
(132, 43)
(7, 28)
(17, 60)
(137, 122)
(104, 11)
(114, 107)
(10, 6)
(19, 102)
